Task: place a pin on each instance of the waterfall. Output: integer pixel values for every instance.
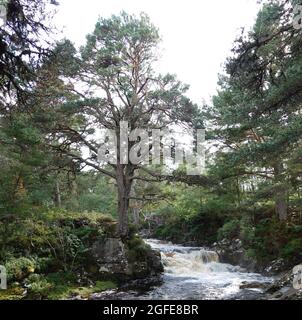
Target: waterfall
(184, 261)
(190, 262)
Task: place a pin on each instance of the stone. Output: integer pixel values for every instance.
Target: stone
(232, 252)
(254, 285)
(282, 288)
(110, 255)
(112, 258)
(275, 267)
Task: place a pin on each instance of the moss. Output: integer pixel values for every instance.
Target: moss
(61, 286)
(16, 293)
(100, 286)
(65, 291)
(137, 249)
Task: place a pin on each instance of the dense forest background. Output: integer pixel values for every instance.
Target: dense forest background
(53, 191)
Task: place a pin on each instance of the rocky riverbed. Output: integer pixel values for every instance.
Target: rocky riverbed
(192, 273)
(281, 271)
(198, 273)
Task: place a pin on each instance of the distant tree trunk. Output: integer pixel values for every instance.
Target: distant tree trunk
(281, 205)
(238, 191)
(280, 193)
(74, 188)
(135, 206)
(58, 200)
(135, 215)
(20, 188)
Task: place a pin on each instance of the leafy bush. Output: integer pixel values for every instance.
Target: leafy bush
(50, 241)
(19, 268)
(292, 249)
(38, 287)
(137, 248)
(247, 231)
(229, 230)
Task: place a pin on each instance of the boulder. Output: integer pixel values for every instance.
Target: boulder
(254, 285)
(148, 264)
(276, 267)
(110, 256)
(114, 260)
(282, 288)
(232, 252)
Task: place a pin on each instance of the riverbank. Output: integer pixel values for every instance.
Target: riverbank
(60, 254)
(282, 270)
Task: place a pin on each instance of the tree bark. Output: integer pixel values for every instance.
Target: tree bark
(135, 216)
(124, 190)
(280, 193)
(281, 205)
(58, 195)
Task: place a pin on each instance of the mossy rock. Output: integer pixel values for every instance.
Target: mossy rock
(16, 293)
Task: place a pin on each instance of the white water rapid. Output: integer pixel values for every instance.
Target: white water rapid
(196, 274)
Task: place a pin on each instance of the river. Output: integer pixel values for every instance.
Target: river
(193, 273)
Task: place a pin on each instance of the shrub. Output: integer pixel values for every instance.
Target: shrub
(19, 268)
(247, 231)
(137, 248)
(229, 230)
(292, 249)
(38, 287)
(58, 240)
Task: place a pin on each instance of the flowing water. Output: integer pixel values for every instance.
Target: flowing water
(196, 274)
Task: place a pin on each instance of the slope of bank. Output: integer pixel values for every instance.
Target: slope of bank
(59, 254)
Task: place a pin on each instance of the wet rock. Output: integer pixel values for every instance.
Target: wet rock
(106, 295)
(142, 284)
(154, 259)
(132, 289)
(276, 267)
(113, 295)
(192, 244)
(110, 255)
(149, 264)
(282, 288)
(113, 260)
(284, 280)
(254, 285)
(232, 252)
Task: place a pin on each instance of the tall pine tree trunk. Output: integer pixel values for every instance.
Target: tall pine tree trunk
(280, 193)
(124, 190)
